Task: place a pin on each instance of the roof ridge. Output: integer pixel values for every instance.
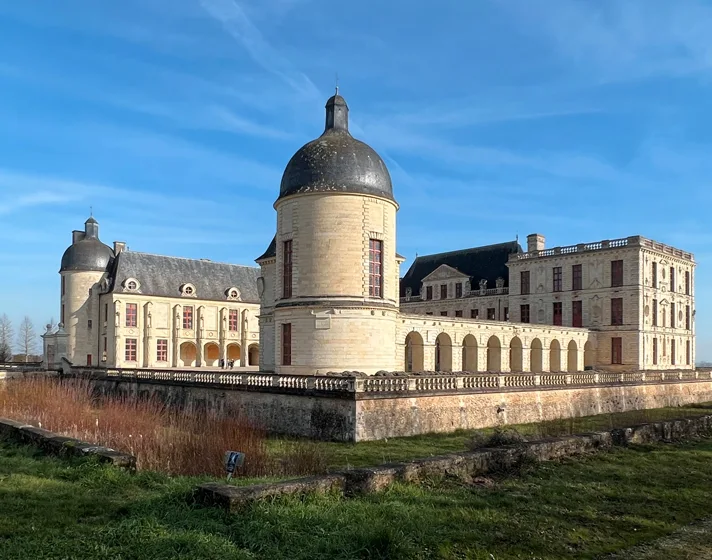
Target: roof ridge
(186, 258)
(481, 247)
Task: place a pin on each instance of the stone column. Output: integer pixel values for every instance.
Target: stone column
(428, 356)
(526, 358)
(456, 357)
(200, 336)
(244, 340)
(148, 351)
(177, 323)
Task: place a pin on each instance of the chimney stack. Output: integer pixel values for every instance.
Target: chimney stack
(118, 247)
(77, 236)
(535, 242)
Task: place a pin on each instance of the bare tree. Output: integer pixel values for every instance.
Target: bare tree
(6, 334)
(27, 338)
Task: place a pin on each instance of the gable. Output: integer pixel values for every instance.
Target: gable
(445, 272)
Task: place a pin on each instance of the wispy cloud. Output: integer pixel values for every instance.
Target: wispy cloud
(235, 20)
(11, 203)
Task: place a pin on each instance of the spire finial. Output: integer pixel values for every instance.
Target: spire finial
(91, 211)
(337, 83)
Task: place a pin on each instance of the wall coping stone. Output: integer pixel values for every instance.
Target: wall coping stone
(56, 444)
(464, 466)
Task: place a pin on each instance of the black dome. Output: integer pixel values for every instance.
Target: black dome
(336, 161)
(87, 253)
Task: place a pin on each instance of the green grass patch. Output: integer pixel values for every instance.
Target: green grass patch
(370, 453)
(57, 509)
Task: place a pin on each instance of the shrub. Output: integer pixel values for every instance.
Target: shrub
(163, 439)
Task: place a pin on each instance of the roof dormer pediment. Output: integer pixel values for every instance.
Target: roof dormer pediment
(445, 272)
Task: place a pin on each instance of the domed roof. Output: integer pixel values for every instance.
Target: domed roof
(336, 161)
(87, 253)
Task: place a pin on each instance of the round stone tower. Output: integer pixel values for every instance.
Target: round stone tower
(84, 263)
(336, 273)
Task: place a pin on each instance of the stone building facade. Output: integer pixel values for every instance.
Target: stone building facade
(123, 308)
(331, 300)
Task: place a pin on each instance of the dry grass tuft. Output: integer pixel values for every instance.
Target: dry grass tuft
(162, 438)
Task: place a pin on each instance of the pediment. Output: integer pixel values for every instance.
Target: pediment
(445, 272)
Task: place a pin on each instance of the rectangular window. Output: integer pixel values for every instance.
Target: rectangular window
(576, 277)
(458, 290)
(375, 266)
(616, 311)
(655, 275)
(287, 344)
(287, 269)
(506, 313)
(524, 282)
(428, 312)
(616, 350)
(429, 292)
(687, 317)
(557, 279)
(89, 324)
(474, 313)
(616, 274)
(490, 313)
(443, 313)
(655, 351)
(524, 313)
(672, 279)
(577, 313)
(443, 291)
(688, 352)
(458, 313)
(672, 352)
(62, 316)
(104, 344)
(106, 312)
(131, 349)
(131, 314)
(233, 320)
(687, 282)
(88, 359)
(162, 350)
(558, 313)
(655, 312)
(188, 317)
(672, 315)
(63, 285)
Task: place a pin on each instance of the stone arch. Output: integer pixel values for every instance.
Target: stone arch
(494, 354)
(211, 354)
(414, 352)
(443, 352)
(588, 355)
(536, 361)
(516, 361)
(555, 356)
(469, 353)
(253, 355)
(234, 352)
(188, 354)
(572, 357)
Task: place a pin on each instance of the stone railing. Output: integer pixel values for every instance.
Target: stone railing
(393, 384)
(468, 294)
(633, 241)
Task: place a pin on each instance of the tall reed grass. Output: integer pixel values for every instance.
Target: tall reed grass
(161, 438)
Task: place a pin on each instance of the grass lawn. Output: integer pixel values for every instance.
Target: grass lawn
(54, 509)
(370, 453)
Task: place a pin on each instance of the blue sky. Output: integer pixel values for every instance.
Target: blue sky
(579, 119)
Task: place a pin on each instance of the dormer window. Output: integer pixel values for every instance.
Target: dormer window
(187, 290)
(233, 294)
(131, 285)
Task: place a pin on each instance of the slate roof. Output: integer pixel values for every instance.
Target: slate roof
(159, 275)
(271, 251)
(488, 262)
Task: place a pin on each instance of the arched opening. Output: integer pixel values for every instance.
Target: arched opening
(443, 353)
(494, 354)
(253, 355)
(515, 355)
(211, 354)
(469, 353)
(555, 356)
(588, 356)
(536, 361)
(414, 352)
(188, 354)
(572, 359)
(234, 353)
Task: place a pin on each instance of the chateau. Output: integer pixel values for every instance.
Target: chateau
(328, 296)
